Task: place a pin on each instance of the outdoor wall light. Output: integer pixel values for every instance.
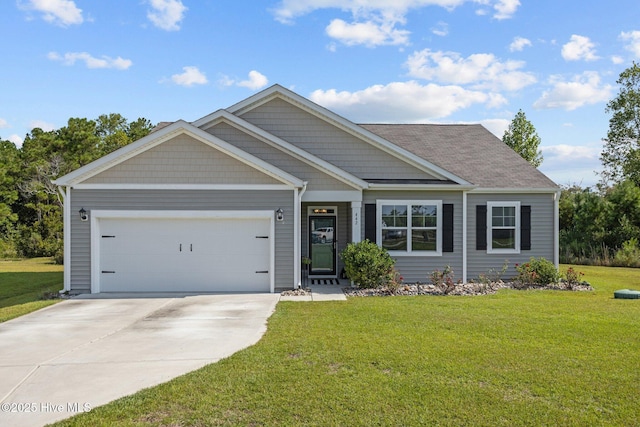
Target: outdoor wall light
(83, 214)
(280, 215)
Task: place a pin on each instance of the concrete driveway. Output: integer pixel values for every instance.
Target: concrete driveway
(82, 353)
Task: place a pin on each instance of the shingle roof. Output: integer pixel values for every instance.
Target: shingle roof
(468, 151)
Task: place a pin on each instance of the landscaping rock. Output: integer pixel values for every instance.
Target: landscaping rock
(469, 289)
(296, 292)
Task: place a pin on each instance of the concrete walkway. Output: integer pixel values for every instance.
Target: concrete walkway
(85, 352)
(319, 293)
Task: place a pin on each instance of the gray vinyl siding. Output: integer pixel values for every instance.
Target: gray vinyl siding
(418, 268)
(182, 160)
(329, 142)
(317, 179)
(542, 233)
(80, 262)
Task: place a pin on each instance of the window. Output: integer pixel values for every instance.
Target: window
(410, 226)
(503, 227)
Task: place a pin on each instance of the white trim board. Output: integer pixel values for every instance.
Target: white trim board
(273, 187)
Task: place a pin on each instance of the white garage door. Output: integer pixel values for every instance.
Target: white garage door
(184, 255)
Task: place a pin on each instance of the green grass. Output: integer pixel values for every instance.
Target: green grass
(23, 284)
(517, 358)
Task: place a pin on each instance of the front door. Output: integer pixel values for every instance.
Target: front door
(322, 245)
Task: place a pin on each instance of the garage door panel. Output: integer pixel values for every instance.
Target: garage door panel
(184, 255)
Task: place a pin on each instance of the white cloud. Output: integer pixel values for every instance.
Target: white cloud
(579, 48)
(572, 164)
(441, 29)
(367, 33)
(403, 102)
(70, 58)
(375, 22)
(518, 44)
(16, 139)
(482, 70)
(3, 123)
(633, 42)
(191, 76)
(505, 8)
(166, 14)
(617, 59)
(255, 81)
(583, 89)
(45, 126)
(496, 126)
(58, 12)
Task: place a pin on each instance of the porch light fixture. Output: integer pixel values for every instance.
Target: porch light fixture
(280, 215)
(83, 214)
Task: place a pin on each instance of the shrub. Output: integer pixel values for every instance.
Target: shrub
(443, 280)
(367, 264)
(573, 277)
(537, 271)
(7, 249)
(493, 275)
(628, 255)
(394, 281)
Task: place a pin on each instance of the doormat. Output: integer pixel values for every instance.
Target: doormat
(325, 281)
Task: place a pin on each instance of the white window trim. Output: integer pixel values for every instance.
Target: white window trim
(409, 203)
(506, 204)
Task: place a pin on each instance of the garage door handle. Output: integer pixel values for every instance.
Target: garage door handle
(108, 271)
(262, 271)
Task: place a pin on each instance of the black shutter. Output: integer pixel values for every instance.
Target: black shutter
(525, 228)
(447, 228)
(481, 227)
(370, 222)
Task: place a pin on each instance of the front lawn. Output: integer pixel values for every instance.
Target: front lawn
(525, 358)
(24, 284)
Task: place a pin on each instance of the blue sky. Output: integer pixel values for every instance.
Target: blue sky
(398, 61)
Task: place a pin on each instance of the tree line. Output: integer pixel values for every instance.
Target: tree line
(601, 225)
(30, 204)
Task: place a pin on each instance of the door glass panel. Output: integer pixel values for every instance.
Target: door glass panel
(322, 244)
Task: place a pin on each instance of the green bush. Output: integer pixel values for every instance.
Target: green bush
(628, 255)
(7, 249)
(367, 264)
(538, 271)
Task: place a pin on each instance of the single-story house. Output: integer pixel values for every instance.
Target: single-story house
(235, 200)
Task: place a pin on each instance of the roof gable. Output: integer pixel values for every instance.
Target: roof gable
(279, 92)
(182, 160)
(169, 133)
(222, 116)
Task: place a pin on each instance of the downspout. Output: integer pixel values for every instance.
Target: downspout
(66, 236)
(297, 234)
(464, 236)
(556, 228)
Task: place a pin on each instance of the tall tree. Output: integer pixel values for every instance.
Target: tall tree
(44, 156)
(523, 139)
(9, 171)
(621, 153)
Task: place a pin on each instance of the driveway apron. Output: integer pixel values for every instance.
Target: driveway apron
(85, 352)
